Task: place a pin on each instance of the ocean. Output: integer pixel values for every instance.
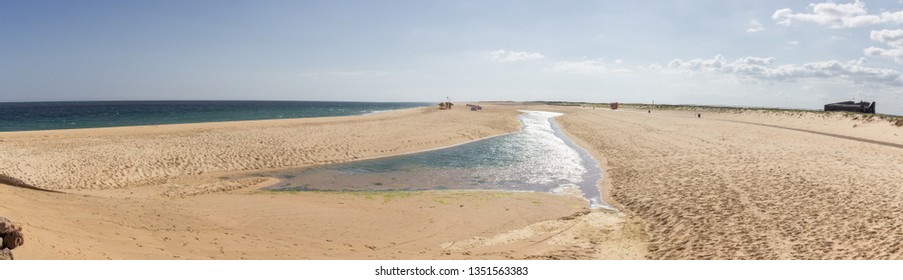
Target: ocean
(23, 116)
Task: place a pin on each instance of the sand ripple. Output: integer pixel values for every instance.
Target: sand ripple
(711, 189)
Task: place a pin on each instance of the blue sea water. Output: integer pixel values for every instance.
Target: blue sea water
(20, 116)
(538, 158)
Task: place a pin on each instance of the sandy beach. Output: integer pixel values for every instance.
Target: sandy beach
(716, 188)
(729, 185)
(122, 157)
(165, 192)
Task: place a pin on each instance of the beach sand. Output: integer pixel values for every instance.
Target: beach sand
(715, 188)
(118, 157)
(729, 185)
(178, 192)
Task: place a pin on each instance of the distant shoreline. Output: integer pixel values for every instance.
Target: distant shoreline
(895, 119)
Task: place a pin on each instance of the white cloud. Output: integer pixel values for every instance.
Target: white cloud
(830, 14)
(835, 15)
(892, 17)
(751, 60)
(760, 68)
(512, 56)
(698, 65)
(893, 38)
(896, 54)
(852, 15)
(754, 27)
(794, 43)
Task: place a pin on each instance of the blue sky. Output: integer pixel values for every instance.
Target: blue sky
(798, 54)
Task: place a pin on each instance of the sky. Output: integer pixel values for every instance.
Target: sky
(788, 54)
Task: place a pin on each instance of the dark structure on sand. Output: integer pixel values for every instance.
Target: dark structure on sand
(10, 238)
(850, 106)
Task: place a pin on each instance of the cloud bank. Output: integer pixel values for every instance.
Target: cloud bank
(762, 68)
(836, 15)
(850, 15)
(893, 38)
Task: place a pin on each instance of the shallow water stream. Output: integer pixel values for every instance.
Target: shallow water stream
(538, 158)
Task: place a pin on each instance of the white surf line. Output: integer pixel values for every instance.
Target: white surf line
(592, 164)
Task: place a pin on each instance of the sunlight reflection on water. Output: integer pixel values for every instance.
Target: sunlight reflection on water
(538, 158)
